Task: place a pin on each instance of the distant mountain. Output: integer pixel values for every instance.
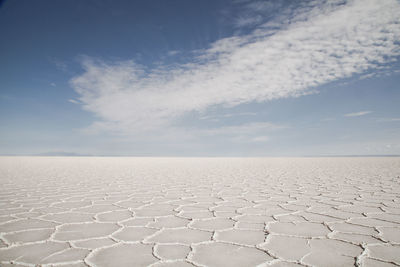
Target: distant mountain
(62, 154)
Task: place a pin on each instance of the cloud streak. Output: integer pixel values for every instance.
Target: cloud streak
(358, 114)
(283, 58)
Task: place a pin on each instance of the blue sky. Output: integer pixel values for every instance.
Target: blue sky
(200, 78)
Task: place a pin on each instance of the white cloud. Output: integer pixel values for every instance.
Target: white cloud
(357, 114)
(73, 101)
(312, 46)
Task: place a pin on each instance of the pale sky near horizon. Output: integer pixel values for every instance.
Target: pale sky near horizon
(200, 78)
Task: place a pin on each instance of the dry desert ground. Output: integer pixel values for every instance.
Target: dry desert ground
(88, 211)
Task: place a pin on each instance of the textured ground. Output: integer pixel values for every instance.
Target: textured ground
(199, 212)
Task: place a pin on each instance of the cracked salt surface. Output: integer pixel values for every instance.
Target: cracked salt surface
(82, 212)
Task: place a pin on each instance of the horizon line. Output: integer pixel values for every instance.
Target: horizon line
(201, 156)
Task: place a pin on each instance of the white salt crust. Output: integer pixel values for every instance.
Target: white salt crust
(97, 212)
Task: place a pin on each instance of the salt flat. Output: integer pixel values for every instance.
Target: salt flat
(199, 211)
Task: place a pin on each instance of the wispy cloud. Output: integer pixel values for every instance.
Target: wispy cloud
(227, 115)
(260, 139)
(173, 52)
(60, 65)
(256, 12)
(253, 128)
(248, 20)
(73, 101)
(284, 58)
(252, 132)
(357, 114)
(388, 119)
